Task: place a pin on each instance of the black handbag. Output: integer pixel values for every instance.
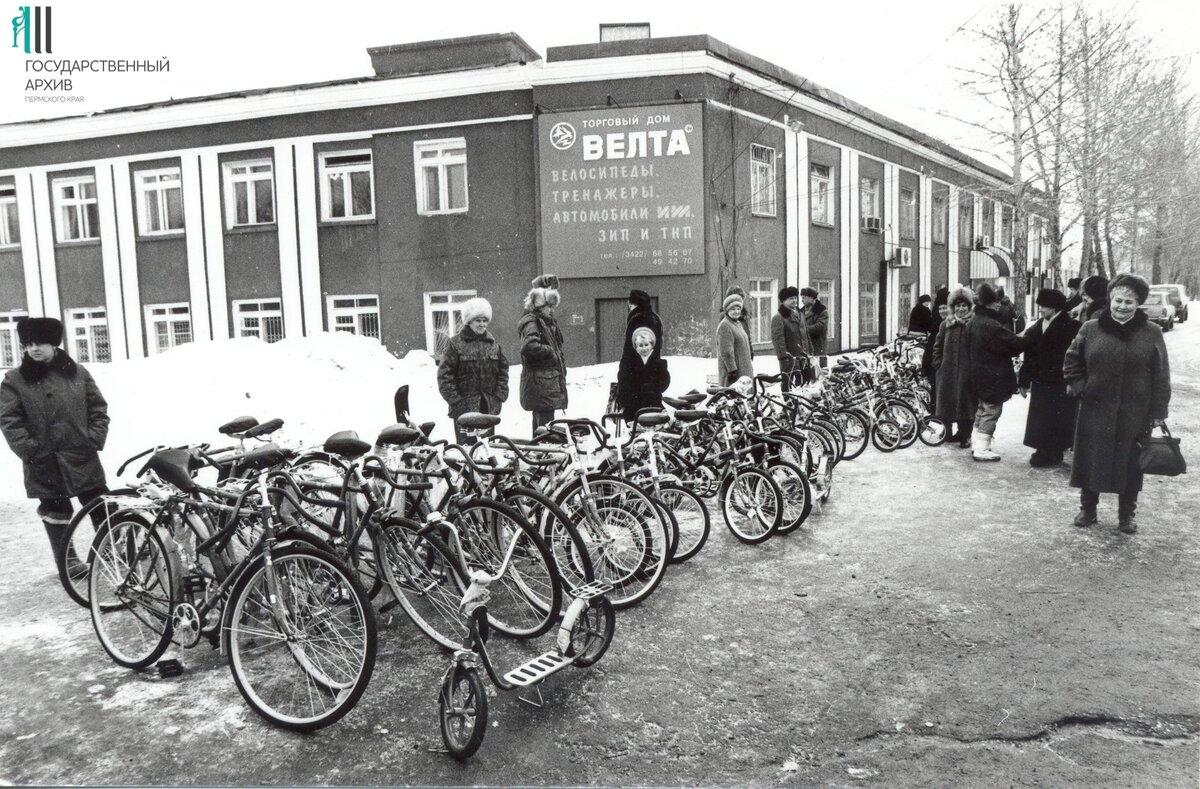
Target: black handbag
(1161, 455)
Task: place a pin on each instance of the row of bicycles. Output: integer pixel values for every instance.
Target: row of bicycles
(282, 557)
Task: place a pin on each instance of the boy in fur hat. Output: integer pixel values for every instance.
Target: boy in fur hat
(473, 373)
(543, 363)
(55, 419)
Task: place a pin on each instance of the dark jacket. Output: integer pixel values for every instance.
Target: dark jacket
(1045, 349)
(543, 365)
(1073, 302)
(1051, 420)
(1093, 310)
(1123, 380)
(55, 419)
(641, 384)
(955, 400)
(789, 335)
(990, 351)
(640, 317)
(921, 319)
(816, 319)
(473, 374)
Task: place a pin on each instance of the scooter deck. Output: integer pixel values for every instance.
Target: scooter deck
(537, 669)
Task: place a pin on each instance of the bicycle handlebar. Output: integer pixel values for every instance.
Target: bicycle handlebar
(511, 447)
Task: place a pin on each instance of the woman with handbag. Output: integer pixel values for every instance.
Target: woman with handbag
(1117, 366)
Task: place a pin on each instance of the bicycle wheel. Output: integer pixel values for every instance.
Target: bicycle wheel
(672, 524)
(85, 524)
(425, 580)
(886, 435)
(692, 517)
(463, 711)
(525, 600)
(835, 433)
(751, 504)
(855, 429)
(570, 554)
(625, 535)
(306, 666)
(903, 415)
(797, 495)
(592, 632)
(933, 431)
(132, 591)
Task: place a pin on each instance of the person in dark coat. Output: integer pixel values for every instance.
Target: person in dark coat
(1074, 298)
(734, 359)
(543, 363)
(956, 403)
(473, 373)
(991, 347)
(1118, 368)
(816, 319)
(1095, 299)
(1050, 424)
(920, 319)
(941, 311)
(641, 383)
(789, 334)
(641, 314)
(56, 421)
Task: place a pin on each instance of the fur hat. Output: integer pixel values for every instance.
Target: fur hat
(643, 330)
(1074, 282)
(543, 293)
(924, 299)
(986, 295)
(1095, 288)
(812, 294)
(961, 295)
(1139, 286)
(1054, 299)
(639, 298)
(549, 281)
(789, 292)
(40, 331)
(730, 300)
(476, 308)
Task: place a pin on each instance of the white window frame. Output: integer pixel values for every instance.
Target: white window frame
(906, 299)
(966, 230)
(939, 220)
(266, 309)
(1007, 224)
(908, 212)
(454, 298)
(447, 155)
(869, 187)
(8, 337)
(763, 295)
(342, 171)
(820, 194)
(762, 180)
(8, 216)
(829, 299)
(168, 315)
(352, 314)
(149, 185)
(241, 172)
(75, 205)
(85, 345)
(872, 314)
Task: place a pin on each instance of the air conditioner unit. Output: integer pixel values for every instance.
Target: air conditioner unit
(983, 242)
(871, 224)
(902, 258)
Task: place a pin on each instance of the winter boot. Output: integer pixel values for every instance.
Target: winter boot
(1041, 458)
(981, 449)
(57, 532)
(1126, 520)
(964, 436)
(1086, 517)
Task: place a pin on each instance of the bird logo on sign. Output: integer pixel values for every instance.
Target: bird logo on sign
(562, 136)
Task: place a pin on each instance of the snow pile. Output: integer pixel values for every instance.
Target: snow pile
(317, 385)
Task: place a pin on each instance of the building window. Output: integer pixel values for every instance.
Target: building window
(76, 208)
(820, 194)
(443, 318)
(87, 329)
(869, 203)
(868, 312)
(1006, 227)
(908, 213)
(354, 314)
(762, 180)
(347, 186)
(10, 230)
(262, 319)
(160, 202)
(939, 219)
(1036, 234)
(10, 345)
(762, 295)
(441, 176)
(825, 295)
(249, 194)
(908, 300)
(168, 325)
(966, 224)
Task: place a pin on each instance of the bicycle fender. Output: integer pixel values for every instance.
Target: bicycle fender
(563, 642)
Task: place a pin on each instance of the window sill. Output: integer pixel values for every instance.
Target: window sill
(764, 216)
(457, 212)
(77, 242)
(357, 221)
(268, 227)
(161, 236)
(830, 225)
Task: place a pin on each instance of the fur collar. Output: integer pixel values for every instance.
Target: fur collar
(1122, 331)
(62, 363)
(785, 310)
(470, 336)
(987, 312)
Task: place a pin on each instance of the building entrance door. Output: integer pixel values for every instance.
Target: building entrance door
(611, 317)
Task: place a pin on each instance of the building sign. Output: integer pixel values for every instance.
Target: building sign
(622, 191)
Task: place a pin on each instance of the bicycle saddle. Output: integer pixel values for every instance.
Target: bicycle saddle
(690, 415)
(476, 421)
(549, 435)
(693, 397)
(676, 402)
(347, 444)
(237, 425)
(262, 457)
(653, 419)
(770, 379)
(264, 428)
(397, 435)
(174, 467)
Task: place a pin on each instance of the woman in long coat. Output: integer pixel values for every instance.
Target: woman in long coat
(1118, 367)
(734, 359)
(543, 364)
(1050, 425)
(473, 373)
(956, 404)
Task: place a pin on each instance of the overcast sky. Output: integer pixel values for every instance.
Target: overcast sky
(897, 58)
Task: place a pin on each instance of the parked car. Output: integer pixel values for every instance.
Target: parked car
(1159, 309)
(1176, 297)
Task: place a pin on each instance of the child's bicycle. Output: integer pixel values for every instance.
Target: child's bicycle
(583, 637)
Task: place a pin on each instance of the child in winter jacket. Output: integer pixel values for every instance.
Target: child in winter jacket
(473, 373)
(642, 381)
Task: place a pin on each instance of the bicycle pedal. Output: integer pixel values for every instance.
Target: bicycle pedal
(195, 585)
(388, 606)
(169, 668)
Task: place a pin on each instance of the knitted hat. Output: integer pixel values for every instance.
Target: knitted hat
(639, 298)
(1095, 288)
(643, 331)
(986, 295)
(730, 300)
(40, 331)
(1139, 286)
(476, 308)
(1054, 299)
(1073, 283)
(789, 293)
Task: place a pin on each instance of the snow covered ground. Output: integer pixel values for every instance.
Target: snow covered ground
(317, 385)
